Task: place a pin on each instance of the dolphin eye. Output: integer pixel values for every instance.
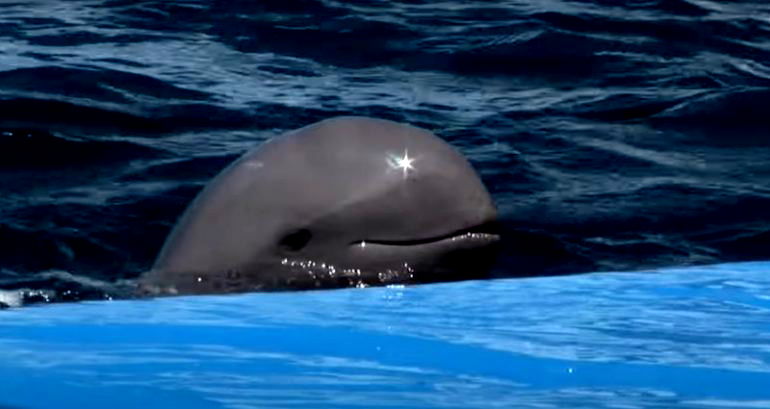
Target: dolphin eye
(296, 240)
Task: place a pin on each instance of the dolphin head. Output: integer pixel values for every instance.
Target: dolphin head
(346, 201)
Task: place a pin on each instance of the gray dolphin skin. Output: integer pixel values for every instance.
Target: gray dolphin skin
(349, 201)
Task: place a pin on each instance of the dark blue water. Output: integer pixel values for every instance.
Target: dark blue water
(612, 137)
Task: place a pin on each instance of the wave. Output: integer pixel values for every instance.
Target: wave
(39, 150)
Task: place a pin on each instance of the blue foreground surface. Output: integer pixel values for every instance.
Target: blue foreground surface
(694, 337)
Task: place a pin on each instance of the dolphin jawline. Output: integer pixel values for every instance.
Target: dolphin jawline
(485, 232)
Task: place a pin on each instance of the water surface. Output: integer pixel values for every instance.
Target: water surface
(685, 338)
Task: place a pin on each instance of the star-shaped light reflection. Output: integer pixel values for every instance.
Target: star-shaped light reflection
(403, 163)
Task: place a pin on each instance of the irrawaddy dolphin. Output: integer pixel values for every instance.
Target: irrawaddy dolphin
(348, 201)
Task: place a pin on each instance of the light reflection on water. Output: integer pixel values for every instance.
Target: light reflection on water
(688, 338)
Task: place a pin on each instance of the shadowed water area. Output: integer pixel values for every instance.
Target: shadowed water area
(612, 137)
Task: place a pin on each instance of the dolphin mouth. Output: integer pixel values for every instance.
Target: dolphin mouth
(482, 234)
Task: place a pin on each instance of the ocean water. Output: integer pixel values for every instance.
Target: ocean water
(612, 137)
(692, 338)
(626, 140)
